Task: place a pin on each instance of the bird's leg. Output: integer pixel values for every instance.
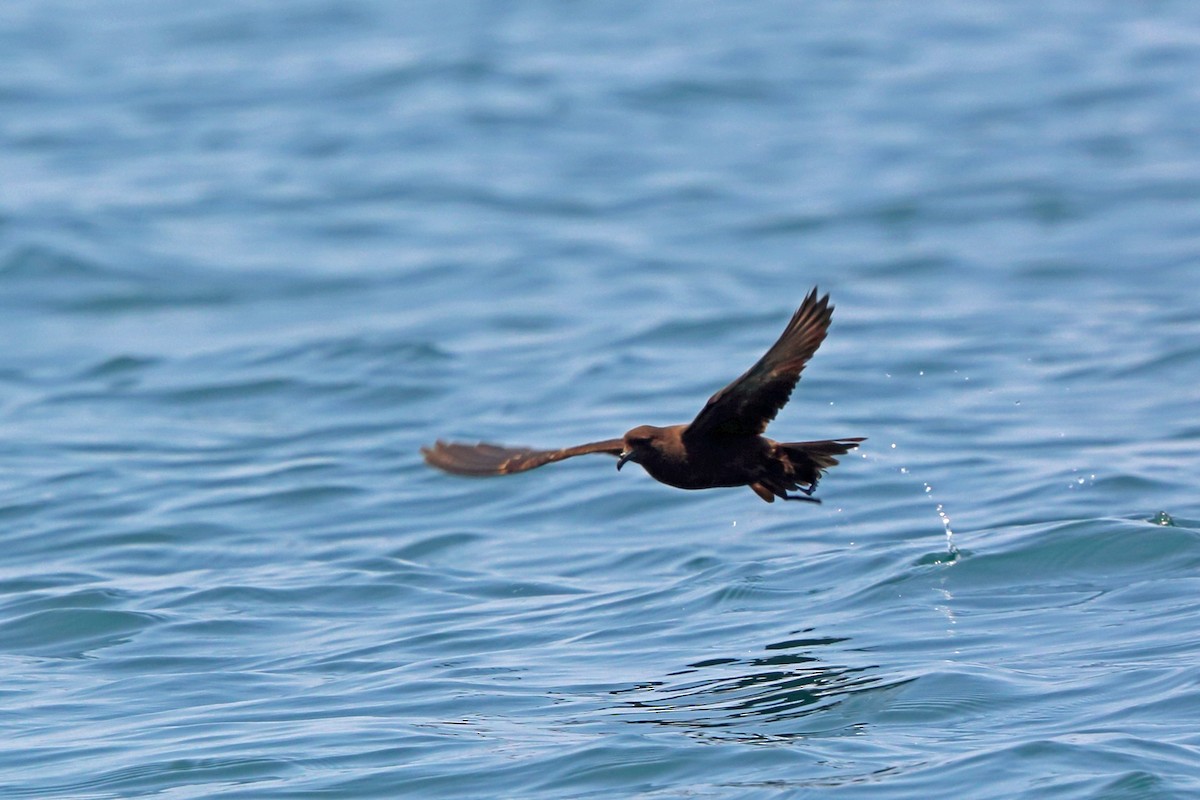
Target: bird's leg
(808, 491)
(807, 497)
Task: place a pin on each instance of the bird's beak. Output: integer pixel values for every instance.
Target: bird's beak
(625, 456)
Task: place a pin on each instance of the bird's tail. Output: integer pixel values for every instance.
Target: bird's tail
(799, 465)
(809, 459)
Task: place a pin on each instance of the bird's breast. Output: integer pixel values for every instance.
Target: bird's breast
(706, 465)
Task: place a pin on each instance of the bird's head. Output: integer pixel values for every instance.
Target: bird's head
(637, 443)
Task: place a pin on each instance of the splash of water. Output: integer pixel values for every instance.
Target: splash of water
(945, 518)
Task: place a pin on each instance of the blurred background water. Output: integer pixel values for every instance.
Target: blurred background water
(254, 255)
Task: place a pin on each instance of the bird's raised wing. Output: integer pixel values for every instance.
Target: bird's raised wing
(750, 402)
(491, 459)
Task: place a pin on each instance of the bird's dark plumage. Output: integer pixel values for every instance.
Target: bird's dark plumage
(722, 446)
(748, 404)
(491, 459)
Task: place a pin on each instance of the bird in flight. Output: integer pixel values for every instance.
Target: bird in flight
(723, 446)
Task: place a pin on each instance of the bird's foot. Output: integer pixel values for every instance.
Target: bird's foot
(806, 497)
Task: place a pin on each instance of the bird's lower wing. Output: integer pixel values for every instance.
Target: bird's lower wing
(492, 459)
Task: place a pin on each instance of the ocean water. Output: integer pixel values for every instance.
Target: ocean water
(254, 255)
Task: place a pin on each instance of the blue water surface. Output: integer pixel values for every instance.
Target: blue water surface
(254, 255)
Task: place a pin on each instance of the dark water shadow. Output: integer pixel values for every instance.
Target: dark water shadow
(784, 693)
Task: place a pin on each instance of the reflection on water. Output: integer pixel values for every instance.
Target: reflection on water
(786, 692)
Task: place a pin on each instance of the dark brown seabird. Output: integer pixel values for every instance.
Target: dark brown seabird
(722, 446)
